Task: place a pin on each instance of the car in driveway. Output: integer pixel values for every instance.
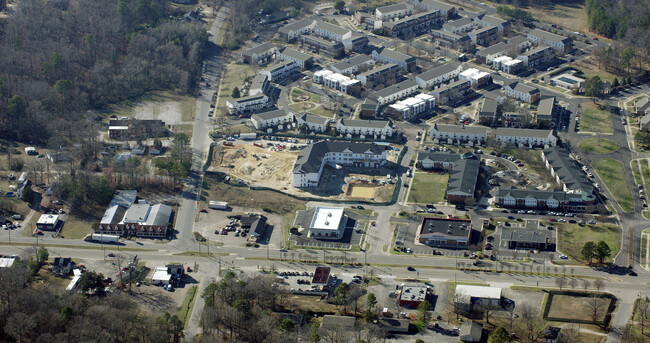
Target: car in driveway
(110, 254)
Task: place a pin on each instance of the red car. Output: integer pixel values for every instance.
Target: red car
(595, 38)
(203, 210)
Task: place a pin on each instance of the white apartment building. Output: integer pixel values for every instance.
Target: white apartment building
(280, 71)
(557, 42)
(335, 81)
(312, 122)
(277, 120)
(365, 128)
(411, 107)
(396, 92)
(351, 65)
(330, 31)
(526, 137)
(436, 76)
(247, 104)
(295, 29)
(452, 134)
(386, 13)
(476, 77)
(522, 92)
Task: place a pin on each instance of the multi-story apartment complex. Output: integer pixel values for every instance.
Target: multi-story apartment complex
(260, 54)
(322, 46)
(411, 107)
(522, 92)
(259, 85)
(458, 26)
(379, 75)
(337, 81)
(459, 134)
(545, 200)
(312, 122)
(487, 115)
(557, 42)
(390, 12)
(396, 92)
(312, 159)
(547, 111)
(293, 30)
(566, 171)
(248, 104)
(412, 26)
(536, 56)
(277, 120)
(280, 71)
(353, 65)
(366, 128)
(452, 92)
(463, 170)
(303, 60)
(447, 11)
(385, 55)
(484, 36)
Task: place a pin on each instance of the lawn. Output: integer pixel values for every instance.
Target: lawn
(428, 188)
(589, 68)
(645, 173)
(572, 237)
(532, 160)
(595, 118)
(186, 308)
(77, 228)
(612, 173)
(568, 307)
(234, 76)
(635, 170)
(598, 146)
(306, 303)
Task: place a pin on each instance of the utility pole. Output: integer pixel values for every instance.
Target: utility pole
(267, 250)
(219, 273)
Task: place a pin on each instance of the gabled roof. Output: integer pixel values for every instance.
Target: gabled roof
(643, 104)
(488, 107)
(159, 215)
(477, 130)
(270, 115)
(471, 329)
(378, 124)
(507, 131)
(439, 71)
(378, 69)
(314, 119)
(568, 170)
(520, 87)
(331, 28)
(296, 25)
(463, 176)
(437, 5)
(458, 23)
(493, 49)
(259, 49)
(352, 62)
(398, 87)
(394, 55)
(545, 107)
(402, 6)
(295, 54)
(310, 157)
(493, 20)
(552, 37)
(516, 40)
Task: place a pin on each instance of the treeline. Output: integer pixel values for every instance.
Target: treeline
(516, 14)
(613, 19)
(61, 59)
(35, 315)
(242, 14)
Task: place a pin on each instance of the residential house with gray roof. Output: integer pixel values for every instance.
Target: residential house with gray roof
(393, 11)
(396, 92)
(385, 55)
(303, 60)
(557, 42)
(277, 120)
(293, 30)
(438, 75)
(463, 170)
(566, 171)
(312, 122)
(353, 65)
(525, 137)
(260, 54)
(522, 92)
(367, 128)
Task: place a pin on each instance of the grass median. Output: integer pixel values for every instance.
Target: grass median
(635, 171)
(428, 188)
(612, 173)
(572, 237)
(595, 118)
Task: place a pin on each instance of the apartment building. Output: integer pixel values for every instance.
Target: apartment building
(557, 42)
(322, 46)
(452, 92)
(280, 71)
(460, 42)
(412, 26)
(536, 56)
(312, 122)
(447, 11)
(458, 26)
(292, 31)
(353, 65)
(379, 75)
(259, 85)
(547, 111)
(331, 32)
(410, 107)
(566, 171)
(396, 92)
(525, 137)
(260, 54)
(395, 11)
(485, 20)
(277, 120)
(459, 134)
(484, 36)
(463, 170)
(303, 60)
(487, 115)
(248, 104)
(385, 55)
(553, 200)
(337, 81)
(438, 75)
(366, 128)
(522, 92)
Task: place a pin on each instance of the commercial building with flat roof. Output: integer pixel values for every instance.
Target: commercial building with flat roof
(445, 232)
(543, 240)
(412, 296)
(472, 298)
(328, 223)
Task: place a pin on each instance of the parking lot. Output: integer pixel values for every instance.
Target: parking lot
(500, 246)
(352, 235)
(210, 225)
(405, 240)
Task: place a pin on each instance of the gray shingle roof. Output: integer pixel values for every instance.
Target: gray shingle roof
(489, 107)
(458, 23)
(310, 157)
(507, 131)
(520, 87)
(516, 40)
(367, 123)
(493, 49)
(332, 28)
(568, 170)
(477, 130)
(393, 8)
(532, 193)
(314, 119)
(463, 176)
(270, 114)
(545, 107)
(437, 5)
(378, 69)
(296, 25)
(295, 54)
(394, 55)
(351, 62)
(259, 49)
(409, 83)
(548, 36)
(441, 70)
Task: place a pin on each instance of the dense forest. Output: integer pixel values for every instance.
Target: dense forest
(614, 18)
(63, 59)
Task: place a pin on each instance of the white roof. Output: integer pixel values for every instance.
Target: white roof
(399, 106)
(469, 72)
(118, 127)
(337, 77)
(513, 62)
(327, 218)
(502, 59)
(30, 148)
(48, 219)
(412, 101)
(323, 72)
(349, 82)
(161, 274)
(478, 291)
(425, 96)
(479, 75)
(6, 262)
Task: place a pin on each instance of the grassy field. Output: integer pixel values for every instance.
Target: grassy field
(428, 188)
(595, 118)
(645, 173)
(635, 170)
(589, 67)
(186, 104)
(234, 76)
(313, 105)
(572, 237)
(186, 308)
(306, 303)
(573, 307)
(611, 172)
(598, 146)
(532, 160)
(77, 228)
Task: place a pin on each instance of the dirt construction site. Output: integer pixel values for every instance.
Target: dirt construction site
(268, 166)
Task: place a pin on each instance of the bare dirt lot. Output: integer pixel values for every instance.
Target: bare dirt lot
(171, 108)
(259, 166)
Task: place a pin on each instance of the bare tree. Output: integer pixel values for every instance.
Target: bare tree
(573, 283)
(532, 325)
(119, 262)
(561, 282)
(457, 303)
(595, 306)
(643, 311)
(569, 334)
(586, 284)
(599, 284)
